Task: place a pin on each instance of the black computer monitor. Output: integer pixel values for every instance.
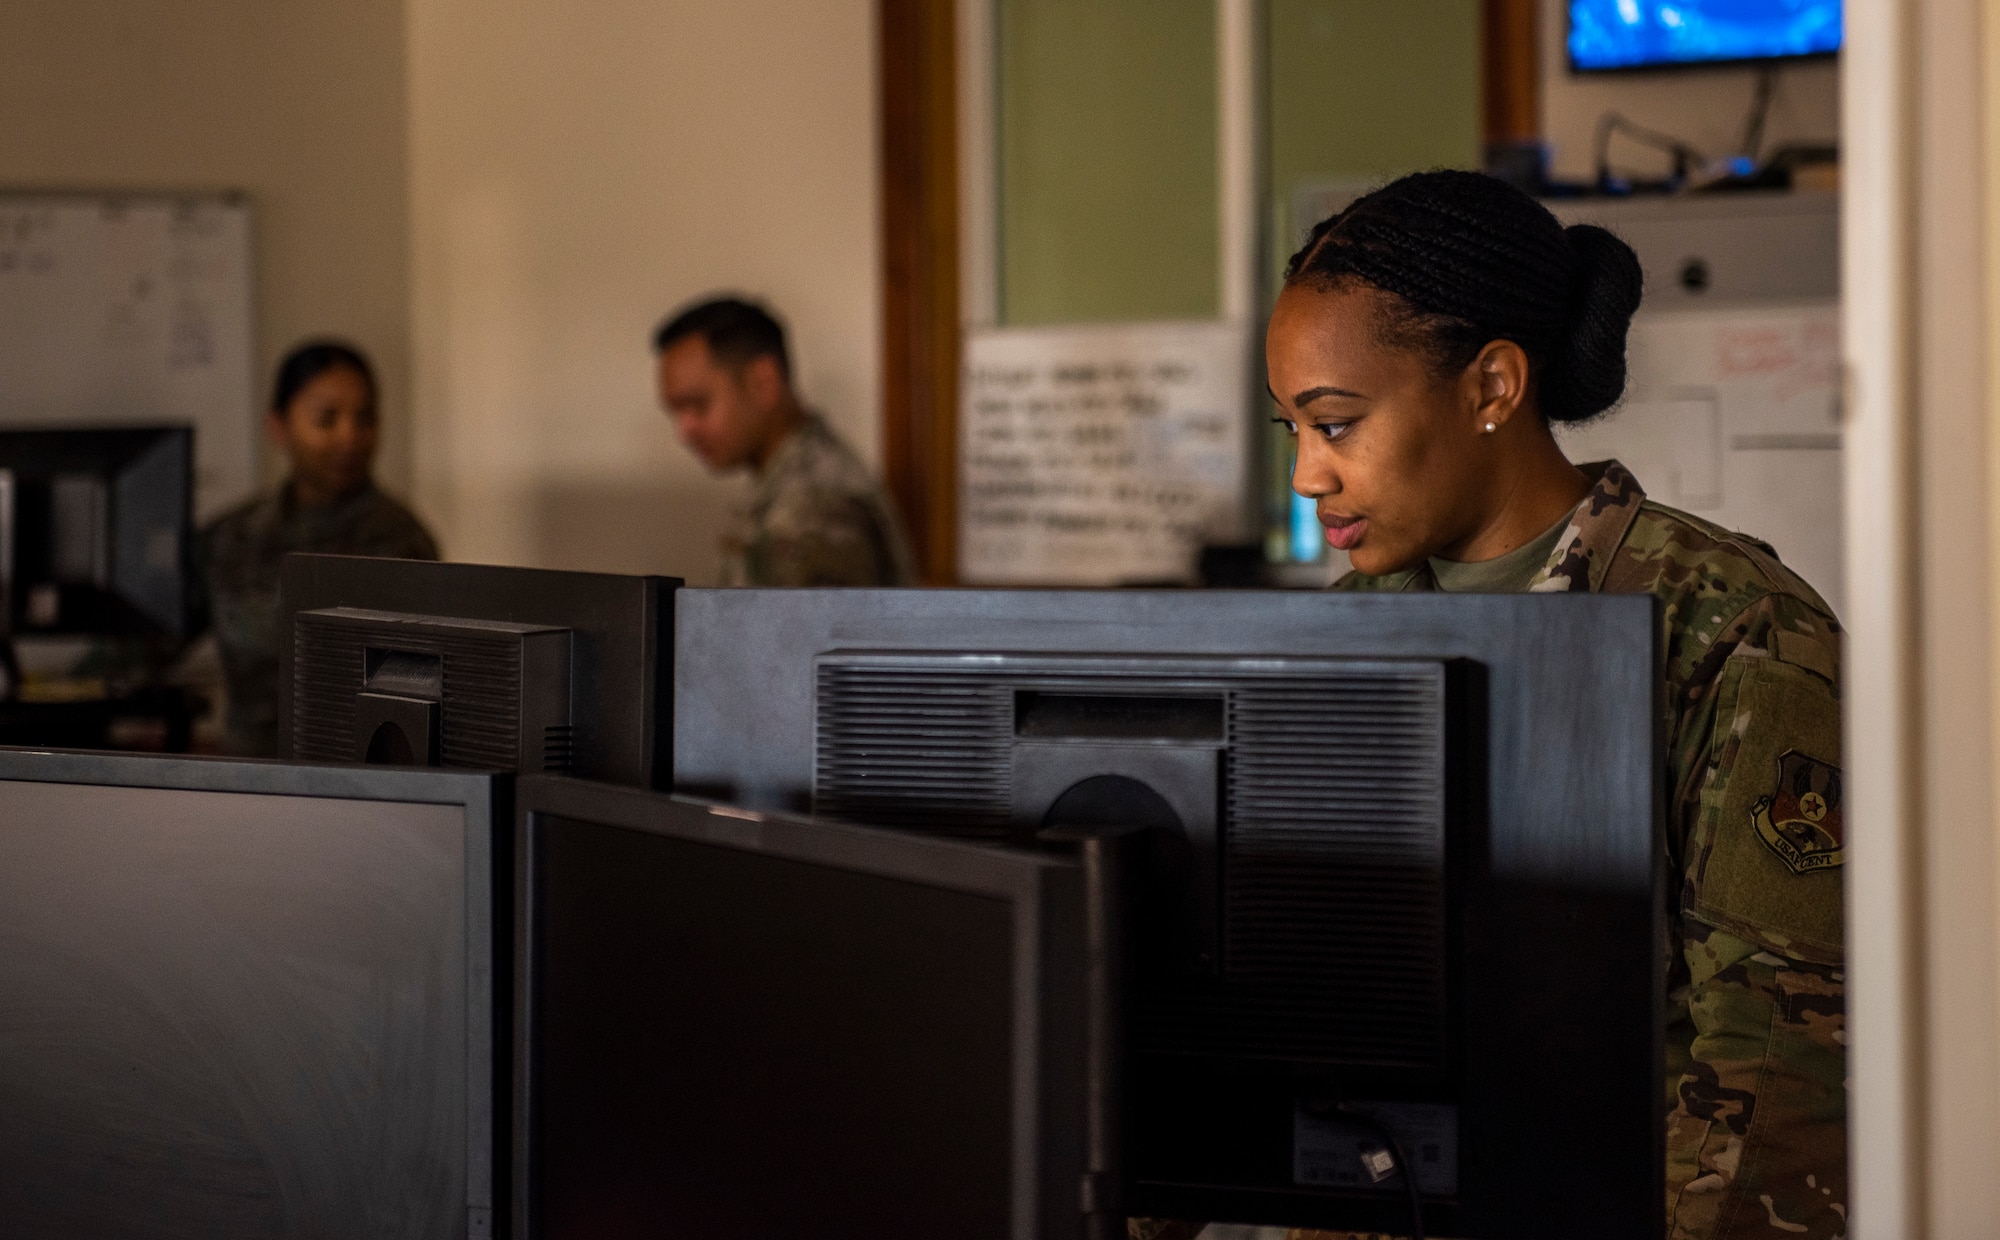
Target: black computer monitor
(249, 999)
(417, 663)
(743, 1026)
(94, 531)
(1405, 864)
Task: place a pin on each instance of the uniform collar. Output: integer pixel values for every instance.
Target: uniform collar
(1583, 554)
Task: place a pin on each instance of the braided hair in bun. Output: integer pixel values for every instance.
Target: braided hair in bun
(1469, 259)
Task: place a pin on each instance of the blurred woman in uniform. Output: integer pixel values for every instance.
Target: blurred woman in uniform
(323, 416)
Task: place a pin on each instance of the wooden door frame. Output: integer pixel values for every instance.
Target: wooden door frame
(1510, 95)
(927, 283)
(917, 51)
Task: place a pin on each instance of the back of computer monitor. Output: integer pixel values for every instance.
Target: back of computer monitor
(95, 526)
(1404, 870)
(249, 999)
(407, 661)
(739, 1025)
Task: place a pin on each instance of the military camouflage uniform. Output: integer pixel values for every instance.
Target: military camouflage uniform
(237, 557)
(817, 519)
(1756, 1039)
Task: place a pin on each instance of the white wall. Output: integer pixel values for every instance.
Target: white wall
(299, 103)
(578, 170)
(1706, 107)
(1921, 260)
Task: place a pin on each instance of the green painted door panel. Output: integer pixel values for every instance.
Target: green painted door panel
(1107, 154)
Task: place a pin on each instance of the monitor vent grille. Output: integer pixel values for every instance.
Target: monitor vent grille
(482, 680)
(558, 748)
(1333, 876)
(920, 749)
(1333, 821)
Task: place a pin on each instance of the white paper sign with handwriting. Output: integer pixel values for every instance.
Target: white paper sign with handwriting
(1101, 455)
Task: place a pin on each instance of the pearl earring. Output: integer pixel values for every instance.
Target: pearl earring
(1490, 428)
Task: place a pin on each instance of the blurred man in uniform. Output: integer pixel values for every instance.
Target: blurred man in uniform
(817, 517)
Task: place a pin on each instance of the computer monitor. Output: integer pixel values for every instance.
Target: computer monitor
(94, 531)
(1634, 34)
(417, 663)
(1406, 864)
(249, 999)
(749, 1026)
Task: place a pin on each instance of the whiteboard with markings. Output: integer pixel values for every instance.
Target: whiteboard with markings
(1101, 454)
(133, 309)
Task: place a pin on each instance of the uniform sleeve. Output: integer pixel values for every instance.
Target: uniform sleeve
(388, 530)
(1757, 1144)
(1756, 1141)
(826, 543)
(412, 541)
(421, 546)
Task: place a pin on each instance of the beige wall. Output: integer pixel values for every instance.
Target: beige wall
(577, 171)
(1703, 107)
(499, 200)
(299, 103)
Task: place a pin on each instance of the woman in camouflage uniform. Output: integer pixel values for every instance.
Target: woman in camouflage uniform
(1426, 339)
(323, 417)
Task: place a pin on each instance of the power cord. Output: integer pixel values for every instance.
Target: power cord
(1685, 157)
(1741, 167)
(1404, 1166)
(1760, 110)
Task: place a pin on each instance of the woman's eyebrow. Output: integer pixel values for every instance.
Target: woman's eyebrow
(1312, 394)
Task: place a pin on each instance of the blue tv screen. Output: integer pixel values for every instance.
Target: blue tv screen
(1628, 34)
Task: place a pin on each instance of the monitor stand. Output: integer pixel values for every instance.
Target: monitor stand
(1113, 858)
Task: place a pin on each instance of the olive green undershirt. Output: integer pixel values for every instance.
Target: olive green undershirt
(1507, 574)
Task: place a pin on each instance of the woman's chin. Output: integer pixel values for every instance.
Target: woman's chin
(336, 484)
(1373, 562)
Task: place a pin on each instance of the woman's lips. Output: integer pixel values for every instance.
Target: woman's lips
(1344, 533)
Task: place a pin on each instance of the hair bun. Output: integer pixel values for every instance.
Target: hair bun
(1588, 374)
(1472, 259)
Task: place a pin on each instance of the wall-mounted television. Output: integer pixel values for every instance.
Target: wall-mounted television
(1637, 34)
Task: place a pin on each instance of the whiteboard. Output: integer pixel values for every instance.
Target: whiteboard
(1101, 455)
(120, 310)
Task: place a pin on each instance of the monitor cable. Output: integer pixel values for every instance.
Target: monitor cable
(1686, 158)
(1760, 111)
(1404, 1167)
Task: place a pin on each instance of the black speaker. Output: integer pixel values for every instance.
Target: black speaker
(387, 687)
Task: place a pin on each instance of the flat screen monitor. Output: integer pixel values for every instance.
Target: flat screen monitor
(1375, 823)
(410, 662)
(247, 1000)
(742, 1026)
(1635, 34)
(94, 531)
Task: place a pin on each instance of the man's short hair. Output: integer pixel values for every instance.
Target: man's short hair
(737, 331)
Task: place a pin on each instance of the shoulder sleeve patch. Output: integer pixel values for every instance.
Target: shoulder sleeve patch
(1769, 838)
(1800, 820)
(1804, 650)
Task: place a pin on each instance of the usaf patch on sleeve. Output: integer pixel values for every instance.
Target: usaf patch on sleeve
(1801, 820)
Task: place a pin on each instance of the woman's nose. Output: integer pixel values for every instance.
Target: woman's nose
(1312, 475)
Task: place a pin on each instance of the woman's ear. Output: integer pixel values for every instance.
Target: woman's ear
(278, 430)
(1497, 383)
